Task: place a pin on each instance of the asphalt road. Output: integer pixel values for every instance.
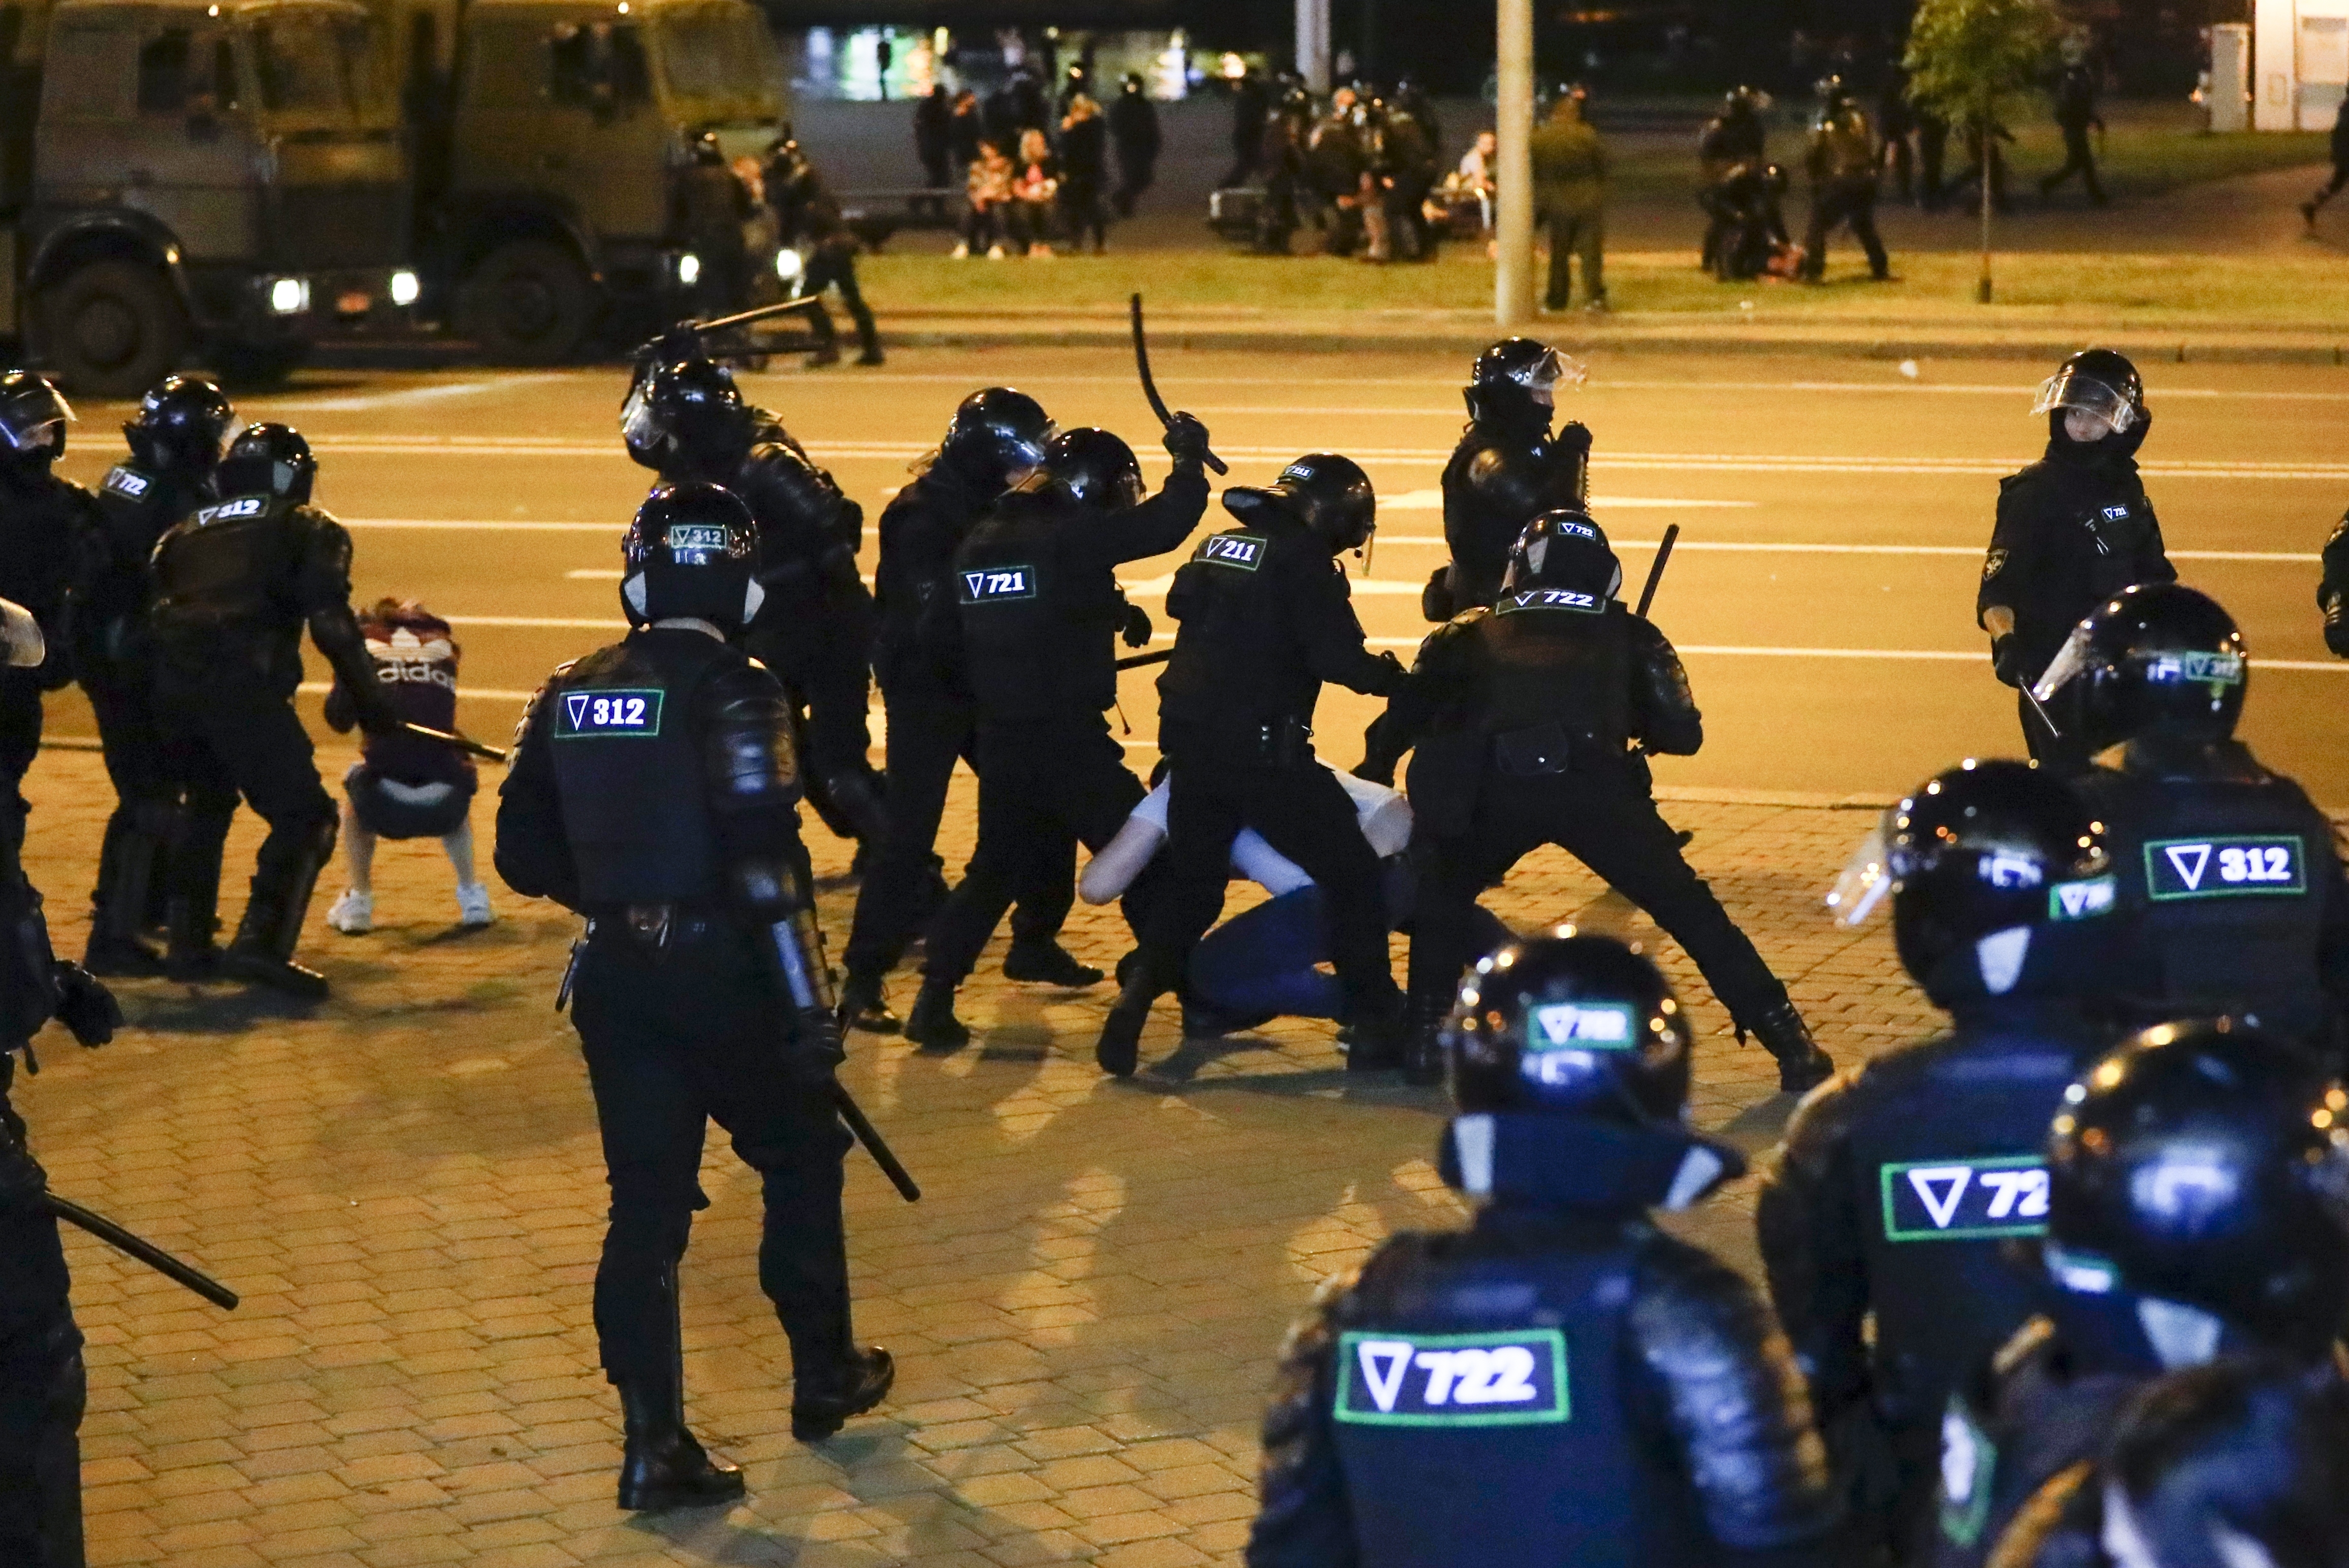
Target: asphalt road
(1832, 518)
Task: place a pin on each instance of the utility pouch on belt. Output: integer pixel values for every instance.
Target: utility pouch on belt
(1535, 750)
(1283, 743)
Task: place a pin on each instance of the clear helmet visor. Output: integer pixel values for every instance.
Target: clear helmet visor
(1860, 892)
(1543, 377)
(2068, 391)
(2071, 661)
(638, 426)
(37, 422)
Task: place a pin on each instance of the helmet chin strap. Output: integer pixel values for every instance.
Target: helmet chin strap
(632, 593)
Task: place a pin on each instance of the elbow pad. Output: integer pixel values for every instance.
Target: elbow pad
(751, 758)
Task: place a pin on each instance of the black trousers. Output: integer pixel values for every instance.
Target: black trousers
(1043, 789)
(2079, 158)
(20, 742)
(1608, 821)
(43, 1388)
(835, 266)
(1832, 206)
(132, 744)
(1134, 176)
(224, 745)
(821, 664)
(929, 730)
(674, 1040)
(1303, 812)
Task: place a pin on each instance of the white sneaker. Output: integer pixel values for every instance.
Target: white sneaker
(961, 253)
(994, 252)
(354, 912)
(474, 904)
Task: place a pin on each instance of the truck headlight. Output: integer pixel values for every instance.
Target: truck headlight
(789, 266)
(289, 296)
(405, 288)
(689, 269)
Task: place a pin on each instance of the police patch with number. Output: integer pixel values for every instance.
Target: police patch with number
(1242, 550)
(1549, 599)
(2082, 900)
(612, 715)
(1515, 1380)
(229, 510)
(996, 584)
(2272, 865)
(126, 482)
(1964, 1200)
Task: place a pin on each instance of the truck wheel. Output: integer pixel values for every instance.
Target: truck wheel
(112, 328)
(528, 303)
(257, 365)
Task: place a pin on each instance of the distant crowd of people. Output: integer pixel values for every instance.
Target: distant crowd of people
(1363, 170)
(1033, 171)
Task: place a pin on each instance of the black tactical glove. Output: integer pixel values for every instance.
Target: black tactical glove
(1187, 441)
(1396, 674)
(22, 1180)
(2336, 630)
(2007, 660)
(817, 1050)
(1435, 599)
(1376, 770)
(1136, 628)
(377, 714)
(84, 1005)
(1574, 436)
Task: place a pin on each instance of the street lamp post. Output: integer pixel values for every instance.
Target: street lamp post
(1513, 277)
(1313, 43)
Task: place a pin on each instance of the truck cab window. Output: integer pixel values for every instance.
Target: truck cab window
(163, 73)
(598, 65)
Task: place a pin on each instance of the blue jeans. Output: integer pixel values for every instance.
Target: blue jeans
(1263, 962)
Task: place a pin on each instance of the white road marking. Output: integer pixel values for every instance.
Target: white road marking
(486, 525)
(1936, 656)
(298, 404)
(1430, 500)
(596, 575)
(551, 622)
(1774, 547)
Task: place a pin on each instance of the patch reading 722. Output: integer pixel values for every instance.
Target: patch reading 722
(2226, 868)
(1513, 1380)
(1964, 1200)
(607, 714)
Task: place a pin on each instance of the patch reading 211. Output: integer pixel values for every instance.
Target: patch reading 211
(612, 714)
(1511, 1379)
(1243, 551)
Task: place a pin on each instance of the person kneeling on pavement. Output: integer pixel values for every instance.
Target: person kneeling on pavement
(404, 786)
(1562, 1382)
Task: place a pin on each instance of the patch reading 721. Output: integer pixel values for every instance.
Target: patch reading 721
(996, 583)
(607, 714)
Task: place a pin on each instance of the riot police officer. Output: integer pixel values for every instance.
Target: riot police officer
(41, 512)
(2074, 529)
(235, 584)
(687, 421)
(175, 443)
(996, 435)
(1733, 145)
(1033, 626)
(1524, 718)
(2198, 1206)
(654, 789)
(1842, 161)
(1507, 469)
(809, 217)
(2229, 871)
(1266, 619)
(1563, 1382)
(1883, 1215)
(2330, 587)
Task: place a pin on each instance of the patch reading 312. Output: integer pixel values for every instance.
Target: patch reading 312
(608, 715)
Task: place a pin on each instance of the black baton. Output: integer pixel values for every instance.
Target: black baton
(1656, 568)
(146, 1251)
(464, 743)
(874, 1144)
(1135, 661)
(1150, 387)
(743, 318)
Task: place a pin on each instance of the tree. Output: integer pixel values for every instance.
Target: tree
(1970, 60)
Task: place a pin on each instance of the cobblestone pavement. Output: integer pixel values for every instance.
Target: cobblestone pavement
(405, 1184)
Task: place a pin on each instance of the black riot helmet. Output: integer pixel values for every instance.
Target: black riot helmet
(1095, 466)
(2098, 381)
(1833, 94)
(689, 408)
(691, 551)
(2156, 661)
(1515, 382)
(1983, 850)
(32, 419)
(1573, 1024)
(1330, 494)
(995, 435)
(2205, 1164)
(1743, 103)
(1564, 548)
(179, 426)
(267, 459)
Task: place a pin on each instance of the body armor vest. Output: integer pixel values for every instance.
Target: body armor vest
(629, 771)
(1038, 632)
(222, 610)
(1555, 656)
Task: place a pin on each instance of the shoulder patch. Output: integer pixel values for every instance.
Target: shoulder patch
(2249, 865)
(1550, 599)
(1964, 1199)
(1968, 1468)
(1994, 564)
(608, 714)
(1507, 1379)
(126, 481)
(994, 584)
(1242, 551)
(229, 511)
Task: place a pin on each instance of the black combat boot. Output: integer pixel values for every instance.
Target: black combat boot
(1042, 961)
(864, 1005)
(1802, 1066)
(1118, 1050)
(822, 1400)
(125, 861)
(1422, 1052)
(932, 1023)
(662, 1466)
(191, 910)
(1379, 1032)
(262, 949)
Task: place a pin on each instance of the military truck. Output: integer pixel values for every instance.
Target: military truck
(216, 179)
(556, 191)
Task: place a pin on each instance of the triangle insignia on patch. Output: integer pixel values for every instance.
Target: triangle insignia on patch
(1941, 1203)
